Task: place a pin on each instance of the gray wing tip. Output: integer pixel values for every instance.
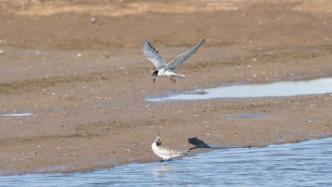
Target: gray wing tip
(145, 43)
(147, 47)
(202, 41)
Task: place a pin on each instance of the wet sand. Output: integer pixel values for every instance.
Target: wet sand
(85, 81)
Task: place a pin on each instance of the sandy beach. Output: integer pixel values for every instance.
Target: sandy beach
(78, 67)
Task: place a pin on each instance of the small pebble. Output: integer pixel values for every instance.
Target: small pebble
(93, 20)
(78, 55)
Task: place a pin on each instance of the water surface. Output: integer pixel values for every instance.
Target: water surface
(276, 89)
(301, 164)
(15, 114)
(255, 116)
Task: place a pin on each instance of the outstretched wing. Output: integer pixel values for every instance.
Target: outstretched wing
(153, 55)
(184, 56)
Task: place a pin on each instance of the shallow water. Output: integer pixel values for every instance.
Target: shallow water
(255, 116)
(301, 164)
(16, 114)
(277, 89)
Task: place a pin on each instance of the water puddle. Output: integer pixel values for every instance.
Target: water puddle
(16, 114)
(301, 164)
(277, 89)
(256, 116)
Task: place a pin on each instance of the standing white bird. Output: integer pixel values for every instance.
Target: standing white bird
(164, 153)
(163, 69)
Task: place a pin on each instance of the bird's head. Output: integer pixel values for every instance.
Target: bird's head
(158, 141)
(154, 75)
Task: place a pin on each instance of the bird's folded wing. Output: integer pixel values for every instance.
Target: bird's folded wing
(184, 56)
(153, 55)
(169, 152)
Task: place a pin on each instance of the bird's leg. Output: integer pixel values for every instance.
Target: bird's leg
(174, 79)
(154, 80)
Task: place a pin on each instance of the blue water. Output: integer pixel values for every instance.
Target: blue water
(256, 116)
(276, 89)
(301, 164)
(15, 114)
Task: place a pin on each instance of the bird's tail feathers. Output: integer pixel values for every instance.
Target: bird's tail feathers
(185, 153)
(182, 76)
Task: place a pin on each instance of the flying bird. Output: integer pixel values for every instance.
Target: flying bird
(167, 70)
(165, 153)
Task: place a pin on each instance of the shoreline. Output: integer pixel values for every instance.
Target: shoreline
(197, 153)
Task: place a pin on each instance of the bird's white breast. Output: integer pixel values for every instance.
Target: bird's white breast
(156, 150)
(166, 73)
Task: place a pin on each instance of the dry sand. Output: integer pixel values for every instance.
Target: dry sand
(85, 81)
